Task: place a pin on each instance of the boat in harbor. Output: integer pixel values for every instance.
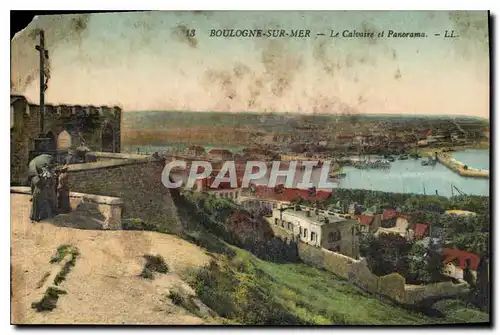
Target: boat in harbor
(429, 162)
(403, 157)
(378, 164)
(338, 175)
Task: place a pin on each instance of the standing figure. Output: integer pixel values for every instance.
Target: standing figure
(81, 152)
(50, 199)
(63, 203)
(70, 157)
(37, 195)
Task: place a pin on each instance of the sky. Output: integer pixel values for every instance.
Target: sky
(145, 61)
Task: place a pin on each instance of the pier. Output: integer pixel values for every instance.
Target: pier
(459, 167)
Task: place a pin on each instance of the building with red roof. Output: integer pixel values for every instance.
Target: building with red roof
(455, 262)
(364, 219)
(389, 214)
(420, 229)
(369, 223)
(290, 194)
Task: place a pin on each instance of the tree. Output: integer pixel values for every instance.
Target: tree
(417, 264)
(389, 223)
(432, 203)
(387, 254)
(424, 263)
(434, 261)
(431, 218)
(468, 274)
(476, 242)
(460, 224)
(482, 287)
(365, 244)
(477, 204)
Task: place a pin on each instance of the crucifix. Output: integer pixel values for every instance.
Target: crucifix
(41, 142)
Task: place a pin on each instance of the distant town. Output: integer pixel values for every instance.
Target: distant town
(315, 134)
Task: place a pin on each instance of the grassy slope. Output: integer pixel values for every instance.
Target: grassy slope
(457, 312)
(249, 290)
(313, 296)
(320, 297)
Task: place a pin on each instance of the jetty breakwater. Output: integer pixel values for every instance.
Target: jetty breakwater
(462, 169)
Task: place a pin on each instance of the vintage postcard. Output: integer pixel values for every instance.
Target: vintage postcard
(251, 168)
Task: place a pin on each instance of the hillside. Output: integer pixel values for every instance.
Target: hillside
(103, 287)
(248, 290)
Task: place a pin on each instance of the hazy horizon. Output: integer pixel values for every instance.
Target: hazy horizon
(333, 114)
(143, 61)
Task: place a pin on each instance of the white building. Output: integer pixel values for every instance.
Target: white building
(323, 229)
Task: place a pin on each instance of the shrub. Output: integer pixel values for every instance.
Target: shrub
(49, 300)
(61, 252)
(153, 264)
(176, 298)
(138, 224)
(147, 274)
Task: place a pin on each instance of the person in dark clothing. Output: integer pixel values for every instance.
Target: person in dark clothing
(49, 198)
(37, 195)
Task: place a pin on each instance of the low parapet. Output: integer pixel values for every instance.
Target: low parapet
(120, 155)
(87, 209)
(98, 199)
(110, 160)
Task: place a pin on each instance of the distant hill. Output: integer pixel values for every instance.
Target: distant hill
(264, 121)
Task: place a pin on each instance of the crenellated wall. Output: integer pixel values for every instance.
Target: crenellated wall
(99, 127)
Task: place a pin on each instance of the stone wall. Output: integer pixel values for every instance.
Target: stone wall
(416, 293)
(322, 258)
(136, 182)
(23, 132)
(392, 286)
(337, 263)
(311, 255)
(360, 274)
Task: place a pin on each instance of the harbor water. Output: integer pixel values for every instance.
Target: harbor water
(474, 158)
(409, 176)
(404, 176)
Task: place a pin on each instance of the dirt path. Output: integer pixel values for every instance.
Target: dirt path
(103, 287)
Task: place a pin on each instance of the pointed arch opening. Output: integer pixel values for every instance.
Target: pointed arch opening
(63, 140)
